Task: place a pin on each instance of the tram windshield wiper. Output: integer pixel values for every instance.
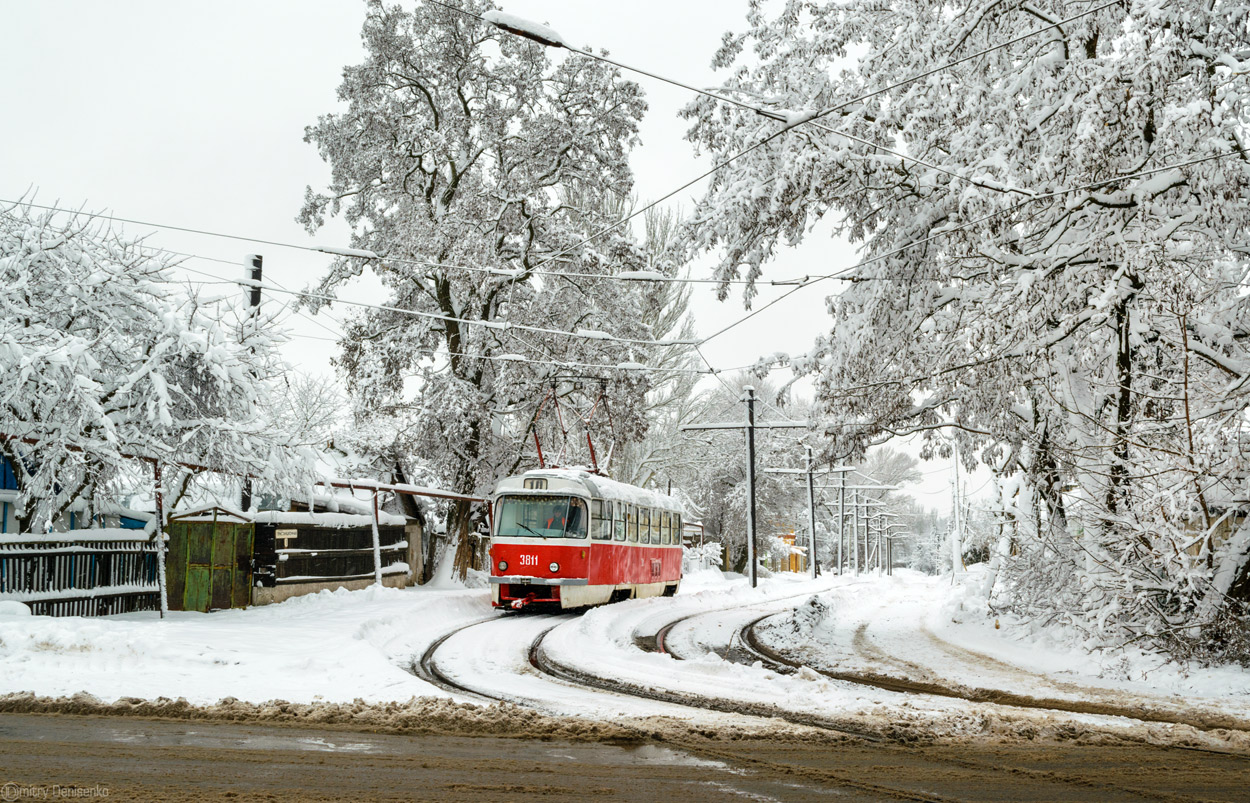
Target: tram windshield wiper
(531, 529)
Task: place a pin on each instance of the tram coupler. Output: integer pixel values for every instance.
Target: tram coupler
(519, 604)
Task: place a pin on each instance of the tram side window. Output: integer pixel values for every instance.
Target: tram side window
(644, 525)
(633, 524)
(601, 520)
(666, 528)
(678, 531)
(618, 521)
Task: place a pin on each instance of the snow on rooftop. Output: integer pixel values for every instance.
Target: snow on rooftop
(604, 486)
(118, 534)
(336, 520)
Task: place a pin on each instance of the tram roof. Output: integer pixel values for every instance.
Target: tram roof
(595, 485)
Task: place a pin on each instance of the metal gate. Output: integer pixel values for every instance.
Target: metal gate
(210, 560)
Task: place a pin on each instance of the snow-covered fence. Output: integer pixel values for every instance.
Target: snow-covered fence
(81, 572)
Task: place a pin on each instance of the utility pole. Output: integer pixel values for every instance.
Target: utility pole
(957, 533)
(880, 542)
(841, 517)
(253, 298)
(855, 531)
(811, 517)
(750, 427)
(750, 399)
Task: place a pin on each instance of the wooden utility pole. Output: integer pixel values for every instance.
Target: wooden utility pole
(253, 298)
(750, 400)
(957, 533)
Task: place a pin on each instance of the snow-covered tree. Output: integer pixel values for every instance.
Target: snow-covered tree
(458, 158)
(105, 359)
(1054, 249)
(309, 409)
(663, 455)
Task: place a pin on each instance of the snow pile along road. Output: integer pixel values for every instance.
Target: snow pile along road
(326, 647)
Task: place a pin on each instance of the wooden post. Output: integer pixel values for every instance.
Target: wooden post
(377, 543)
(159, 535)
(750, 400)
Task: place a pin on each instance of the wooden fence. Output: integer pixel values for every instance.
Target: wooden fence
(80, 573)
(298, 548)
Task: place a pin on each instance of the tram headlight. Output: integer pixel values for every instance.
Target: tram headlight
(503, 565)
(555, 567)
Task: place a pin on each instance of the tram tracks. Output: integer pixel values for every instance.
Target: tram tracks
(785, 664)
(946, 763)
(749, 650)
(752, 652)
(425, 667)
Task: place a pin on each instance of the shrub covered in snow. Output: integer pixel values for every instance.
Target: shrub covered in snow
(104, 356)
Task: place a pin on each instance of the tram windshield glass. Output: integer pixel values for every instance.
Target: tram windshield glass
(541, 517)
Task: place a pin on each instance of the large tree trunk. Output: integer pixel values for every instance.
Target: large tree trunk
(1122, 405)
(462, 520)
(464, 545)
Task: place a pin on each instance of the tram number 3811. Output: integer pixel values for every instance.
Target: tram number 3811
(566, 538)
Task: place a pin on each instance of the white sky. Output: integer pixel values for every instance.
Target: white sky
(193, 115)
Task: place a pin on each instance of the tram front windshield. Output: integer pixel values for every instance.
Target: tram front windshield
(542, 517)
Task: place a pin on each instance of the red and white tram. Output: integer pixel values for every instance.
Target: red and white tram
(565, 538)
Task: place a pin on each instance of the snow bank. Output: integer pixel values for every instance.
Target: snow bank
(924, 630)
(1065, 653)
(414, 716)
(331, 647)
(12, 608)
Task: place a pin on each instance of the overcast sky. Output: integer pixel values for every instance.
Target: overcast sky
(193, 115)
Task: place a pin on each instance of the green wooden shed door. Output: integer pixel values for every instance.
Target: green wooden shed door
(217, 570)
